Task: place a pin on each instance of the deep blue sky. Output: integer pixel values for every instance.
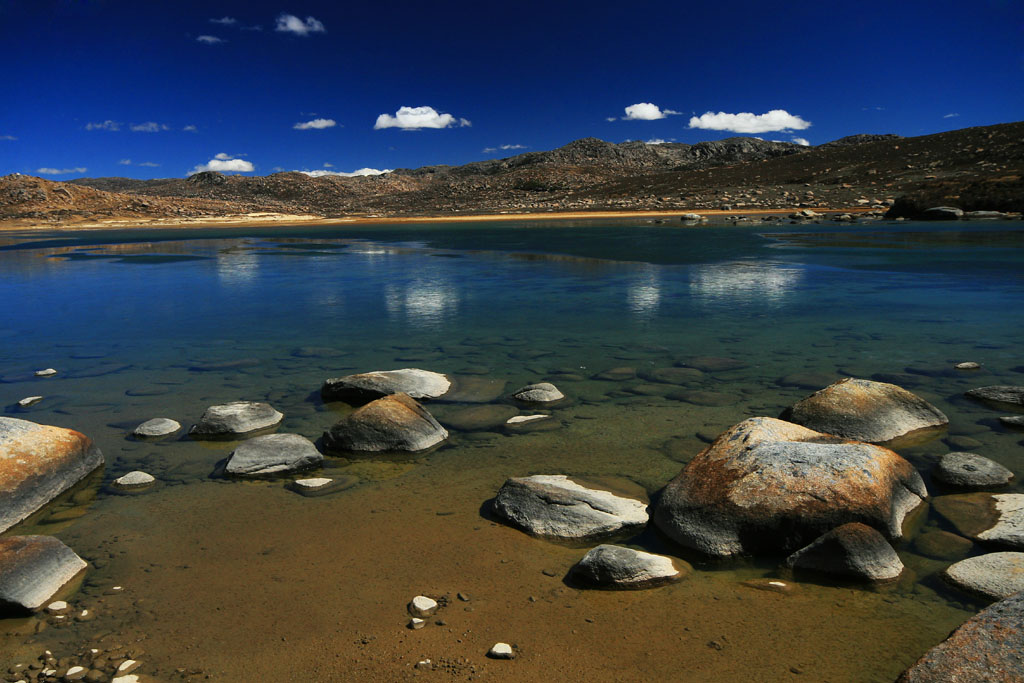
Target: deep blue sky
(536, 74)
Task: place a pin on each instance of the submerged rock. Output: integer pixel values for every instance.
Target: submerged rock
(37, 464)
(943, 545)
(771, 486)
(32, 570)
(987, 647)
(368, 386)
(860, 409)
(321, 486)
(995, 518)
(156, 428)
(999, 396)
(1012, 421)
(854, 551)
(392, 423)
(542, 392)
(993, 576)
(134, 480)
(478, 418)
(273, 454)
(970, 470)
(617, 567)
(231, 420)
(554, 506)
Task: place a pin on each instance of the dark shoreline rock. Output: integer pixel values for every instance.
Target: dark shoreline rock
(853, 551)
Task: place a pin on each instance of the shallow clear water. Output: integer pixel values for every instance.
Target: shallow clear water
(166, 323)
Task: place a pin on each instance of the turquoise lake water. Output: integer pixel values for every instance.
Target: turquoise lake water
(164, 323)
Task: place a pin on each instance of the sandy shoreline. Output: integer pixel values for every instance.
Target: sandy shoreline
(11, 228)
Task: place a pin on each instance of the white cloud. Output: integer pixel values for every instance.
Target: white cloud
(656, 141)
(951, 115)
(125, 162)
(209, 40)
(7, 137)
(224, 162)
(149, 164)
(802, 142)
(745, 122)
(61, 171)
(611, 118)
(358, 172)
(315, 124)
(149, 127)
(415, 118)
(226, 21)
(645, 111)
(129, 162)
(289, 23)
(190, 128)
(503, 148)
(328, 164)
(105, 125)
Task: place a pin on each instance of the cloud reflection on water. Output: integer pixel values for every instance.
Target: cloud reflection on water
(741, 282)
(644, 293)
(422, 303)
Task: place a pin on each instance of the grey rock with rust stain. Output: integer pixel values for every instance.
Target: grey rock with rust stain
(237, 419)
(852, 551)
(37, 464)
(32, 570)
(970, 470)
(993, 575)
(273, 454)
(369, 386)
(391, 423)
(619, 568)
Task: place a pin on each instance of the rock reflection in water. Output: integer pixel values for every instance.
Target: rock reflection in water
(740, 282)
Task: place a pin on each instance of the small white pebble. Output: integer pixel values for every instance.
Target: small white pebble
(969, 365)
(501, 651)
(117, 588)
(29, 400)
(519, 419)
(57, 606)
(130, 678)
(416, 623)
(84, 613)
(48, 372)
(777, 583)
(315, 483)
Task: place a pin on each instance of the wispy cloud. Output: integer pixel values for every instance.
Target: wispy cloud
(209, 40)
(359, 172)
(289, 23)
(125, 162)
(502, 148)
(129, 162)
(746, 122)
(951, 115)
(226, 21)
(190, 128)
(149, 127)
(103, 125)
(328, 164)
(803, 142)
(224, 163)
(315, 124)
(645, 111)
(415, 118)
(7, 137)
(657, 141)
(61, 171)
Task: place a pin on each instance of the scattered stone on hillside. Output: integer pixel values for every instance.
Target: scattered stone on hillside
(943, 545)
(994, 518)
(942, 213)
(618, 567)
(273, 454)
(970, 470)
(48, 372)
(968, 365)
(29, 401)
(501, 651)
(32, 570)
(993, 575)
(541, 392)
(987, 647)
(156, 428)
(766, 485)
(134, 480)
(422, 606)
(999, 396)
(1012, 421)
(392, 423)
(369, 386)
(860, 409)
(37, 464)
(554, 506)
(854, 551)
(238, 419)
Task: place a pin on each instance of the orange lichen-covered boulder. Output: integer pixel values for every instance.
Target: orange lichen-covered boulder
(37, 464)
(392, 423)
(768, 486)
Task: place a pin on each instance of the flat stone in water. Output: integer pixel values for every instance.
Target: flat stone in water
(240, 418)
(943, 545)
(273, 454)
(48, 372)
(322, 486)
(542, 392)
(970, 470)
(620, 568)
(134, 480)
(33, 569)
(999, 396)
(520, 419)
(156, 428)
(29, 401)
(994, 575)
(1012, 421)
(369, 386)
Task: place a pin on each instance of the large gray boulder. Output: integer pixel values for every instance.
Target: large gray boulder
(993, 575)
(37, 464)
(368, 386)
(235, 420)
(970, 470)
(992, 518)
(32, 570)
(769, 486)
(391, 423)
(273, 454)
(554, 506)
(851, 551)
(615, 567)
(999, 395)
(987, 647)
(860, 409)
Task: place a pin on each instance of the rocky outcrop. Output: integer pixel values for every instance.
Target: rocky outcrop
(369, 386)
(993, 518)
(987, 647)
(999, 396)
(391, 423)
(273, 454)
(993, 575)
(234, 420)
(32, 570)
(970, 470)
(37, 464)
(851, 551)
(771, 486)
(538, 394)
(554, 506)
(859, 409)
(618, 568)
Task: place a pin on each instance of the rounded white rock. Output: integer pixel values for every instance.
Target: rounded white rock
(519, 419)
(48, 372)
(315, 483)
(501, 651)
(422, 606)
(29, 400)
(134, 480)
(57, 607)
(158, 426)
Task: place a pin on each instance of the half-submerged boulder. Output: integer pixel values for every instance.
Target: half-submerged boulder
(368, 386)
(852, 551)
(37, 464)
(391, 423)
(768, 486)
(32, 570)
(987, 647)
(991, 518)
(615, 567)
(863, 410)
(234, 420)
(554, 506)
(993, 575)
(273, 454)
(971, 471)
(538, 394)
(999, 396)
